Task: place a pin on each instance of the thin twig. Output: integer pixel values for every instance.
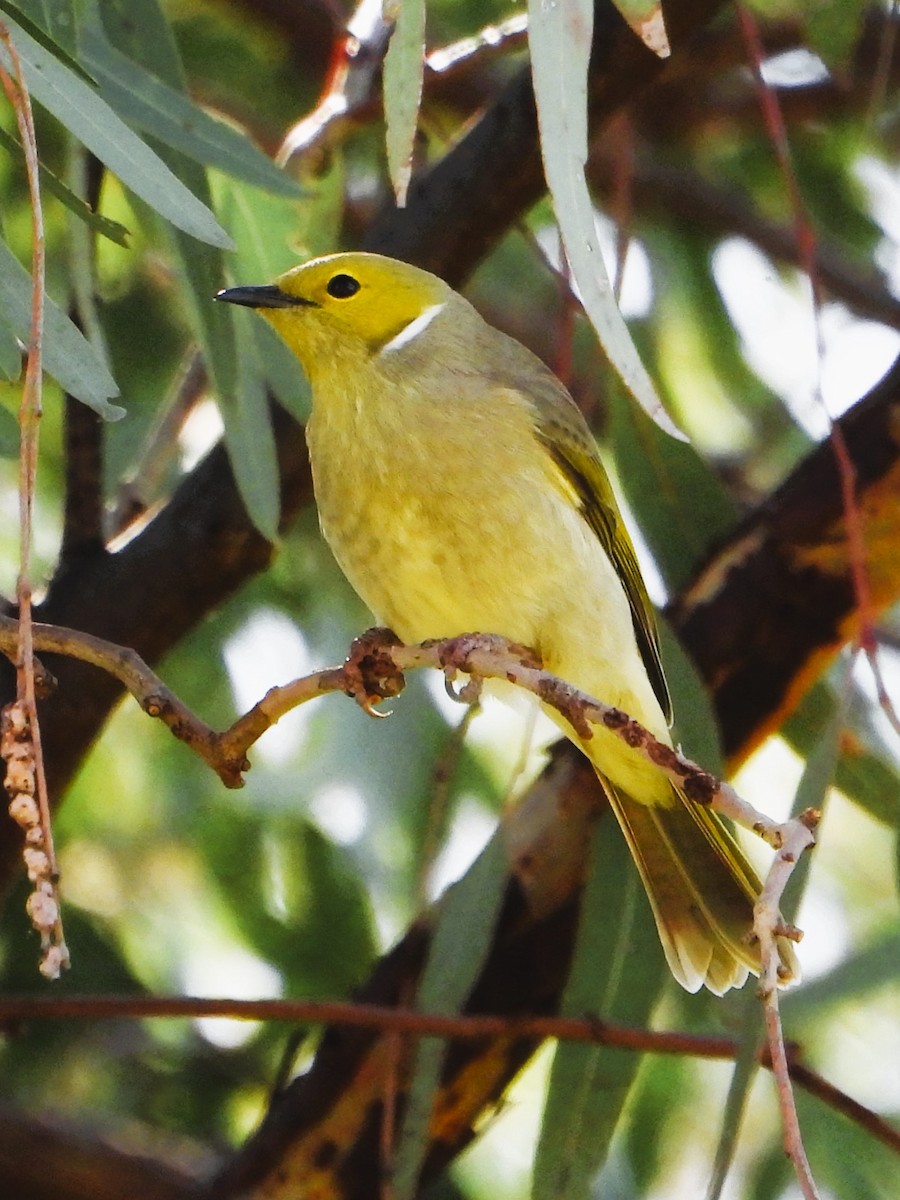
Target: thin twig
(412, 1022)
(805, 238)
(21, 732)
(374, 670)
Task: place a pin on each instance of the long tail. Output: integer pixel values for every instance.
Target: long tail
(701, 889)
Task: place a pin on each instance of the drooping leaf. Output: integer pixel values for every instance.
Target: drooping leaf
(696, 728)
(862, 770)
(53, 25)
(248, 432)
(263, 226)
(320, 932)
(461, 940)
(229, 347)
(93, 122)
(680, 505)
(282, 372)
(10, 355)
(67, 355)
(645, 17)
(746, 1065)
(617, 974)
(51, 183)
(147, 103)
(560, 43)
(868, 970)
(404, 69)
(617, 956)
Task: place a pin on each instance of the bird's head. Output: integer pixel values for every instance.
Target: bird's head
(350, 306)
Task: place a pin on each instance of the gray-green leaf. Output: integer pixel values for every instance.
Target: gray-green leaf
(404, 67)
(618, 972)
(68, 356)
(89, 118)
(560, 43)
(154, 107)
(460, 944)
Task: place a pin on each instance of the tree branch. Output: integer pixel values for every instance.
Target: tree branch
(766, 612)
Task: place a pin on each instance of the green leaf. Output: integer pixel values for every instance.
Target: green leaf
(746, 1066)
(560, 43)
(50, 30)
(93, 122)
(320, 933)
(154, 107)
(10, 355)
(680, 505)
(696, 727)
(68, 356)
(461, 941)
(237, 376)
(867, 970)
(263, 227)
(51, 183)
(282, 372)
(812, 792)
(404, 70)
(618, 973)
(248, 433)
(862, 772)
(9, 434)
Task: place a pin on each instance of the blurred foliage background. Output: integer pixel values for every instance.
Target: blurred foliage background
(296, 884)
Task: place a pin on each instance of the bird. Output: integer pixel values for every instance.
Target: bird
(460, 489)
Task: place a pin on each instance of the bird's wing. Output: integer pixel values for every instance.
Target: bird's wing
(563, 431)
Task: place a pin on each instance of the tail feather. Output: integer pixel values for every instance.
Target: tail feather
(701, 888)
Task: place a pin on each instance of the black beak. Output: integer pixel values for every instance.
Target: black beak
(266, 296)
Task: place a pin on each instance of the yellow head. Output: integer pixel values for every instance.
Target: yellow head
(346, 306)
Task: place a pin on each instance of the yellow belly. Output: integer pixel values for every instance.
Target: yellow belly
(438, 552)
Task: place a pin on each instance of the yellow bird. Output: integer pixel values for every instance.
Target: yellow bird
(460, 490)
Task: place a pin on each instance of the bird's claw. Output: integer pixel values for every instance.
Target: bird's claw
(370, 673)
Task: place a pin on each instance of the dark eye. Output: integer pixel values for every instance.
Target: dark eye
(342, 287)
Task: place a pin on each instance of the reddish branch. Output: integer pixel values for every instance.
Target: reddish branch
(471, 1027)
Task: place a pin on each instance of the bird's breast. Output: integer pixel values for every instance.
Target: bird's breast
(427, 512)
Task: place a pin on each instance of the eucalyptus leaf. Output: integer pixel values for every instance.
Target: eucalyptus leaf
(645, 17)
(154, 107)
(282, 372)
(67, 355)
(248, 433)
(321, 935)
(746, 1066)
(866, 775)
(236, 373)
(618, 972)
(459, 946)
(560, 43)
(263, 226)
(49, 28)
(9, 434)
(10, 354)
(404, 70)
(680, 505)
(867, 970)
(89, 118)
(696, 727)
(54, 185)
